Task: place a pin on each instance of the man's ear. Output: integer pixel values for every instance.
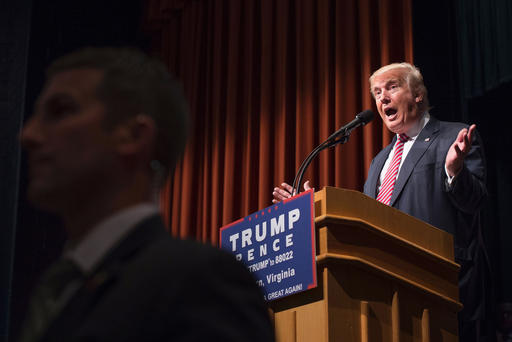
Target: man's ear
(135, 135)
(418, 98)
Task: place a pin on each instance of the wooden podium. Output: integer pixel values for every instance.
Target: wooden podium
(382, 276)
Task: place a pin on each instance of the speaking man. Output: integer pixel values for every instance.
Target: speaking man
(107, 126)
(434, 171)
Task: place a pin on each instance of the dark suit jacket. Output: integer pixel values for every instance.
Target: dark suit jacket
(153, 287)
(421, 191)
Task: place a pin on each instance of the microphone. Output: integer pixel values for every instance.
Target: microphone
(361, 119)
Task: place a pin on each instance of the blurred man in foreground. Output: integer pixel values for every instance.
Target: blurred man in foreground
(107, 127)
(434, 171)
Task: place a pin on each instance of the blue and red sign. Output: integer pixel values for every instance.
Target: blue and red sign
(277, 244)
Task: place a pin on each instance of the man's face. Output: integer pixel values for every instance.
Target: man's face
(70, 153)
(397, 105)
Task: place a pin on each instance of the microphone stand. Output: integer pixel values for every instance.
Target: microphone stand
(340, 138)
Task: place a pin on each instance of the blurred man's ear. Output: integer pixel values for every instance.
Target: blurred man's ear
(135, 136)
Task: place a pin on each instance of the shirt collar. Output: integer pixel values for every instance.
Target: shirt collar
(91, 250)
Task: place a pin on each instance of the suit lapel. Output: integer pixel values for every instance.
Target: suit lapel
(379, 164)
(107, 273)
(424, 140)
(108, 270)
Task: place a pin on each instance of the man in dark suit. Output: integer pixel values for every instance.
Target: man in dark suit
(107, 126)
(434, 171)
(440, 179)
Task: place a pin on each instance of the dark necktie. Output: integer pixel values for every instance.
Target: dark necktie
(57, 284)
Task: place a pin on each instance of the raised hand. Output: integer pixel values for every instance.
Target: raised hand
(459, 150)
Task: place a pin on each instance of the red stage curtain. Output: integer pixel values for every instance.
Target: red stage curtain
(267, 81)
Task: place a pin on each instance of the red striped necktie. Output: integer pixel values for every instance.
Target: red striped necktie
(386, 190)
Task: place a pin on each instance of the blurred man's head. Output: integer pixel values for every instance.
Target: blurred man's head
(103, 117)
(400, 95)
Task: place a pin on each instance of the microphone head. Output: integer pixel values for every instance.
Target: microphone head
(365, 116)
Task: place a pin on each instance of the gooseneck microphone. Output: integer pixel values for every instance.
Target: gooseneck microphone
(339, 137)
(361, 119)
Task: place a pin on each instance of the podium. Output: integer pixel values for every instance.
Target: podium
(382, 276)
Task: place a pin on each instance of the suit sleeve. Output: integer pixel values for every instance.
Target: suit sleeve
(468, 189)
(367, 188)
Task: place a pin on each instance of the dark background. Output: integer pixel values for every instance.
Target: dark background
(32, 34)
(462, 47)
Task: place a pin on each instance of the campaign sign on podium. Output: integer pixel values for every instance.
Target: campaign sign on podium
(277, 244)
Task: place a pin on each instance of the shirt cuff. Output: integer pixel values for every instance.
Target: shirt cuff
(449, 179)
